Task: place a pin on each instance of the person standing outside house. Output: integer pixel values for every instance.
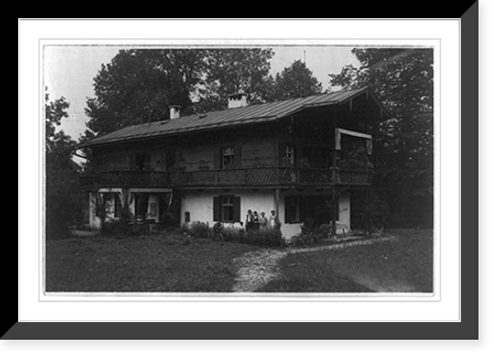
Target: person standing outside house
(273, 220)
(249, 222)
(255, 220)
(262, 221)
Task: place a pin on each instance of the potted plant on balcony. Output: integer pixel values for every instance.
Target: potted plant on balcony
(304, 163)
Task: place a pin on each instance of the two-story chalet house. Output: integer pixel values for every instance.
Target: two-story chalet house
(287, 156)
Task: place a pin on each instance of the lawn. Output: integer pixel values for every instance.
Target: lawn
(404, 265)
(180, 263)
(155, 263)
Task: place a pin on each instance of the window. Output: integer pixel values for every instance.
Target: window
(301, 208)
(308, 154)
(141, 205)
(187, 217)
(112, 204)
(117, 205)
(227, 208)
(142, 161)
(227, 157)
(170, 159)
(290, 154)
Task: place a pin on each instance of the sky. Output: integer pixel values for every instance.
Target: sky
(69, 70)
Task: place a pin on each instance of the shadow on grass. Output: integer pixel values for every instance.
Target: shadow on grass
(335, 283)
(402, 265)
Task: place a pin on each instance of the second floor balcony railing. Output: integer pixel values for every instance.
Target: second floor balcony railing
(248, 177)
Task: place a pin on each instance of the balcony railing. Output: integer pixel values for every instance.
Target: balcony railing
(248, 177)
(126, 178)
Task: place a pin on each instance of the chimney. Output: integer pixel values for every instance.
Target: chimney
(237, 100)
(175, 111)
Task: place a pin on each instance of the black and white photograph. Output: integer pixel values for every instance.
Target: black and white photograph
(236, 169)
(254, 182)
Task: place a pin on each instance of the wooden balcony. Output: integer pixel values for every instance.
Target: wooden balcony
(241, 177)
(126, 178)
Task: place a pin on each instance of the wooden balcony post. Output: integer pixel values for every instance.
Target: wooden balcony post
(277, 202)
(335, 209)
(369, 211)
(334, 153)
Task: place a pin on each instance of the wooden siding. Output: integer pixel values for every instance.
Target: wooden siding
(259, 152)
(193, 153)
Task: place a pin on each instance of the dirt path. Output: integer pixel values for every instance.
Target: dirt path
(258, 268)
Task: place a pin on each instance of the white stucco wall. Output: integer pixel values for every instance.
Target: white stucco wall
(345, 211)
(200, 206)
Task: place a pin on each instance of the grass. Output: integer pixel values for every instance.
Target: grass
(161, 263)
(400, 266)
(180, 263)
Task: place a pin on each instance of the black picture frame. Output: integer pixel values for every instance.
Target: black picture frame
(467, 328)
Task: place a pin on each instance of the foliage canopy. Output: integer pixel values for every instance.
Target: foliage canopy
(403, 147)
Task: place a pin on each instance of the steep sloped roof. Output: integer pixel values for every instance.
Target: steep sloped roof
(228, 117)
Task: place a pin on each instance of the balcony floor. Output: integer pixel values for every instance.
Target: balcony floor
(270, 177)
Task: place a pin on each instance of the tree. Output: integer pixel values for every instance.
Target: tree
(231, 71)
(62, 196)
(295, 81)
(403, 149)
(54, 112)
(139, 85)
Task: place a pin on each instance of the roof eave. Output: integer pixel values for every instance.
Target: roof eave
(197, 129)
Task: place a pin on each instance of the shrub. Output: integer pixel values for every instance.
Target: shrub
(197, 229)
(168, 221)
(306, 239)
(270, 237)
(234, 235)
(121, 226)
(259, 237)
(115, 227)
(373, 216)
(310, 234)
(325, 230)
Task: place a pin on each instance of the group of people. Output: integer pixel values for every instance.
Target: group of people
(255, 221)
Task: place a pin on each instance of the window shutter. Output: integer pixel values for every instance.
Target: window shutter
(237, 156)
(237, 209)
(217, 159)
(307, 206)
(287, 210)
(217, 210)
